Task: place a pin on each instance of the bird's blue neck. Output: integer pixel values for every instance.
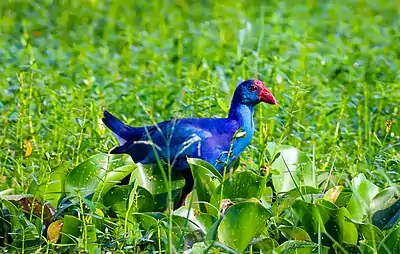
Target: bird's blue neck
(243, 114)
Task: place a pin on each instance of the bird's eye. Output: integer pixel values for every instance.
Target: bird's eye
(253, 88)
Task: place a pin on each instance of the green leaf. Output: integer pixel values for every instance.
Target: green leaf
(146, 221)
(118, 198)
(212, 233)
(303, 190)
(206, 179)
(111, 179)
(71, 229)
(242, 222)
(88, 176)
(366, 248)
(53, 188)
(148, 178)
(386, 208)
(347, 230)
(391, 243)
(297, 163)
(187, 225)
(327, 218)
(205, 221)
(265, 244)
(346, 248)
(158, 222)
(13, 215)
(205, 164)
(363, 192)
(294, 233)
(312, 216)
(93, 246)
(370, 233)
(242, 185)
(344, 198)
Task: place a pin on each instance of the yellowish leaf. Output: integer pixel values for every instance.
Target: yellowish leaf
(28, 148)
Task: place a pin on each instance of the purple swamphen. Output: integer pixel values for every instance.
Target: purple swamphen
(209, 139)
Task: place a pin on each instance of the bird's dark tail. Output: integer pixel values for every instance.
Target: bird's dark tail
(121, 131)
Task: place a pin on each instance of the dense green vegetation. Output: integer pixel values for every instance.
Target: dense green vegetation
(333, 67)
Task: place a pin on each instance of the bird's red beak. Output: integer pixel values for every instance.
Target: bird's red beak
(266, 96)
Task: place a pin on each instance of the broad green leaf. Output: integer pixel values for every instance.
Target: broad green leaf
(386, 198)
(391, 243)
(268, 195)
(205, 222)
(312, 216)
(297, 163)
(185, 224)
(370, 232)
(146, 221)
(265, 244)
(117, 199)
(206, 179)
(111, 179)
(294, 233)
(327, 218)
(71, 229)
(158, 222)
(344, 198)
(13, 213)
(154, 182)
(93, 246)
(52, 189)
(347, 230)
(346, 248)
(363, 192)
(242, 185)
(242, 222)
(366, 248)
(90, 174)
(201, 163)
(212, 233)
(302, 190)
(386, 208)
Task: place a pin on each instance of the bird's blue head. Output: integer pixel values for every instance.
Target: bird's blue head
(252, 92)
